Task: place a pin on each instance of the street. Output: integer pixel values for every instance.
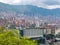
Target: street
(57, 43)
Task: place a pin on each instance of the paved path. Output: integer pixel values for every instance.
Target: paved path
(57, 43)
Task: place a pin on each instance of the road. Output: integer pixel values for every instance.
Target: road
(57, 43)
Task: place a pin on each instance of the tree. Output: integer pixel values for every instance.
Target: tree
(12, 37)
(2, 28)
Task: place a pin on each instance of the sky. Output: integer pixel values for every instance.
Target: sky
(49, 4)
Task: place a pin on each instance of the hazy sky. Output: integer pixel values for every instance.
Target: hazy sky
(40, 3)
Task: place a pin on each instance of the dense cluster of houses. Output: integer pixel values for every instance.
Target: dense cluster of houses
(34, 28)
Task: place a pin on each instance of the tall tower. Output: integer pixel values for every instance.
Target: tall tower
(37, 21)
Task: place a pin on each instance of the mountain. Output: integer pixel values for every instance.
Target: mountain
(50, 15)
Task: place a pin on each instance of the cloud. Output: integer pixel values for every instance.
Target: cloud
(37, 2)
(49, 4)
(10, 1)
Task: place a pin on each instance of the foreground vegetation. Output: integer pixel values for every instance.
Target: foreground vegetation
(12, 37)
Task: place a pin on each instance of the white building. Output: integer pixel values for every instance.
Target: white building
(34, 32)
